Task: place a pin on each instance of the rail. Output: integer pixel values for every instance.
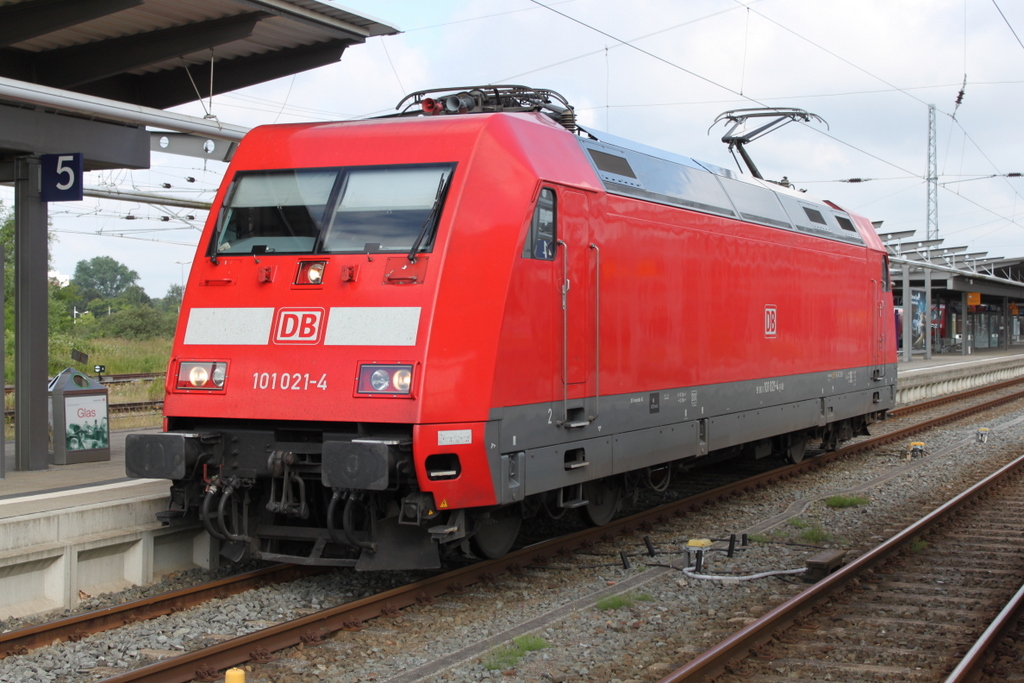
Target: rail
(351, 616)
(113, 379)
(716, 660)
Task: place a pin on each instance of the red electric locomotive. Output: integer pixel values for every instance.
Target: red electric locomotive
(402, 336)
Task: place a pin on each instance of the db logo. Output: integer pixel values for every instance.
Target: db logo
(298, 326)
(771, 321)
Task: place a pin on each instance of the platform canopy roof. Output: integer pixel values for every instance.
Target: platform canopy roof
(962, 270)
(157, 53)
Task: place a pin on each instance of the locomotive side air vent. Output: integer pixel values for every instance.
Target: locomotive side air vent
(845, 223)
(611, 163)
(815, 216)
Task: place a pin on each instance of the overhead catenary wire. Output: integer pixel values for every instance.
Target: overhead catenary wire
(715, 83)
(760, 103)
(1008, 25)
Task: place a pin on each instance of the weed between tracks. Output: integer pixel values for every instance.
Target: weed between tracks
(507, 656)
(837, 502)
(810, 532)
(620, 601)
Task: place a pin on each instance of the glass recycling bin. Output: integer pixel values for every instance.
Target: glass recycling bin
(79, 428)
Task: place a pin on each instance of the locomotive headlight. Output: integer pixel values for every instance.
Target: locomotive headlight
(205, 375)
(310, 273)
(198, 376)
(380, 380)
(384, 379)
(401, 380)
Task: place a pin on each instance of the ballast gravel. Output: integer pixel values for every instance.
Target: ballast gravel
(664, 617)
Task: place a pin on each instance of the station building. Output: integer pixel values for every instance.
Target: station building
(951, 301)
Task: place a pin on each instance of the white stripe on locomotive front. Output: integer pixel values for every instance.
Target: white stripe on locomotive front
(346, 326)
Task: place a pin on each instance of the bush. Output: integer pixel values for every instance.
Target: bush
(137, 322)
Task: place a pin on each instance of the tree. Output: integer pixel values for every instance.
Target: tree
(59, 305)
(171, 302)
(174, 295)
(137, 322)
(103, 278)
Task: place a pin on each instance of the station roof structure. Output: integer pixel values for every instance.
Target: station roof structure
(962, 270)
(86, 77)
(158, 53)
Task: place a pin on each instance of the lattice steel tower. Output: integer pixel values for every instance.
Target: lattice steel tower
(932, 220)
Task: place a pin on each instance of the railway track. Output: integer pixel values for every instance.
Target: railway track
(76, 627)
(911, 609)
(115, 408)
(351, 616)
(113, 379)
(259, 646)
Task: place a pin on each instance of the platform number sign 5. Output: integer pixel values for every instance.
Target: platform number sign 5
(61, 177)
(771, 321)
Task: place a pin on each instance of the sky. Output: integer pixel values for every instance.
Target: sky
(659, 72)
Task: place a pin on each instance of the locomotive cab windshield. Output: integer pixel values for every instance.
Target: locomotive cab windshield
(347, 210)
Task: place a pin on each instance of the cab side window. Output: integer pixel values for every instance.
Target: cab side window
(540, 243)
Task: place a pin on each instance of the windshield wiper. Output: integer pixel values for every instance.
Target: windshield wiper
(442, 191)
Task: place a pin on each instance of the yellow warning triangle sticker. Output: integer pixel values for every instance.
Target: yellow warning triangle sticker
(444, 503)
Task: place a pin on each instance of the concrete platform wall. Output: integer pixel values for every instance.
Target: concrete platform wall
(949, 379)
(54, 559)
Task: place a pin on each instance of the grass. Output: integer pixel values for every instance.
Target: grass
(917, 545)
(837, 502)
(758, 538)
(624, 600)
(815, 534)
(811, 533)
(127, 356)
(507, 656)
(142, 356)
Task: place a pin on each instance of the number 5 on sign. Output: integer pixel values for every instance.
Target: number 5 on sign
(62, 177)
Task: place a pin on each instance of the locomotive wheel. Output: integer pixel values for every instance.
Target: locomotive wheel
(496, 532)
(797, 446)
(603, 496)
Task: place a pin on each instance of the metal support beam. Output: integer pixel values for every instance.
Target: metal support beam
(28, 132)
(927, 314)
(172, 87)
(198, 146)
(3, 370)
(27, 20)
(1005, 318)
(73, 66)
(112, 110)
(932, 209)
(964, 349)
(30, 320)
(908, 310)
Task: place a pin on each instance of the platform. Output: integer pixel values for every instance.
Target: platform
(72, 531)
(921, 379)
